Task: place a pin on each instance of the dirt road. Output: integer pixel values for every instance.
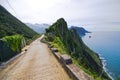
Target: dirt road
(38, 63)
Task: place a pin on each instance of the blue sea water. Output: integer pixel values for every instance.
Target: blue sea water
(107, 45)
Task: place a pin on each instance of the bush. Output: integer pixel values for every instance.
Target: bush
(15, 42)
(10, 46)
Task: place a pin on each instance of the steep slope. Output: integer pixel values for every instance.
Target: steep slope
(10, 42)
(39, 28)
(72, 44)
(9, 25)
(80, 30)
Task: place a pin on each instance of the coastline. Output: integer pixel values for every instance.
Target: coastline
(102, 59)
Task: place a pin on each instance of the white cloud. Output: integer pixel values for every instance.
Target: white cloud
(75, 12)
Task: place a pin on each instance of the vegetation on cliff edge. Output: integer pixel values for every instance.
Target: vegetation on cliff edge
(68, 41)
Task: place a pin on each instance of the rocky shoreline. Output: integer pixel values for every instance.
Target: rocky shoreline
(103, 61)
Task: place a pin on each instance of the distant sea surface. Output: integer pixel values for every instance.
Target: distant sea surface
(107, 45)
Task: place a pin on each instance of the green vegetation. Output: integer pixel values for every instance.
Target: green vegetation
(9, 25)
(59, 45)
(118, 78)
(68, 41)
(15, 42)
(10, 46)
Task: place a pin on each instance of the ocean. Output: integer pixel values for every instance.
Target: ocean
(107, 45)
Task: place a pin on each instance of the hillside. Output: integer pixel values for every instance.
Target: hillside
(68, 42)
(39, 28)
(9, 25)
(80, 30)
(13, 35)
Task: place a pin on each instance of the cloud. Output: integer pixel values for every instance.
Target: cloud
(77, 12)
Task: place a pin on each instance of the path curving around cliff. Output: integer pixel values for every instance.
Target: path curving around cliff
(38, 63)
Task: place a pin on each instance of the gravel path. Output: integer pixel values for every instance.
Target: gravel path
(38, 63)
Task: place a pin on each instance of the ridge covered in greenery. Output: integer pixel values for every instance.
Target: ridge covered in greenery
(68, 42)
(10, 25)
(80, 30)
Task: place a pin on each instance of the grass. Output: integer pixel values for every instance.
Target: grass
(92, 74)
(57, 43)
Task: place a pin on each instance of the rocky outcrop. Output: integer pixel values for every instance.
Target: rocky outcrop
(80, 30)
(75, 47)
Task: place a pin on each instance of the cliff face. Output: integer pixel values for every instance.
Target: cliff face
(81, 31)
(75, 47)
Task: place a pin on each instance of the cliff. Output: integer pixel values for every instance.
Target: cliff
(80, 30)
(69, 42)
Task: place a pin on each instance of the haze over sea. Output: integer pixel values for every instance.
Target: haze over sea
(107, 45)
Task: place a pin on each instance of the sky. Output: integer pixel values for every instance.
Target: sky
(91, 14)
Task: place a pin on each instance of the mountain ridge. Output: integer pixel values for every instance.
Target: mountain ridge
(68, 42)
(13, 35)
(80, 30)
(39, 28)
(10, 25)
